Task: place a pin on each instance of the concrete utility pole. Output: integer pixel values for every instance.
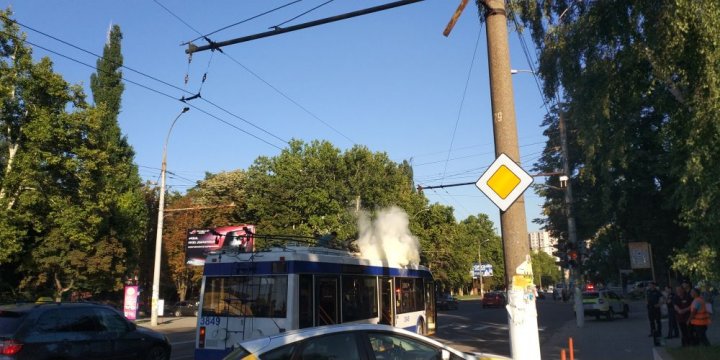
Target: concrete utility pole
(572, 232)
(522, 311)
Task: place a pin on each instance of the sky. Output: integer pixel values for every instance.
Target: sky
(389, 81)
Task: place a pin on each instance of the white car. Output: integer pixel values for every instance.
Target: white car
(351, 342)
(604, 303)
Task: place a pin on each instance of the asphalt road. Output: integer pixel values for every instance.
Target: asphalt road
(469, 328)
(474, 328)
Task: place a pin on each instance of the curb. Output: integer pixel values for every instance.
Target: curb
(660, 353)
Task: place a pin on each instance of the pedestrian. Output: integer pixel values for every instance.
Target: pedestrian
(699, 319)
(681, 305)
(672, 316)
(653, 299)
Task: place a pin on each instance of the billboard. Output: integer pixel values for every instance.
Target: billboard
(640, 255)
(130, 304)
(201, 241)
(486, 270)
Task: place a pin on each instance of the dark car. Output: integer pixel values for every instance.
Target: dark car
(183, 308)
(75, 331)
(446, 302)
(493, 299)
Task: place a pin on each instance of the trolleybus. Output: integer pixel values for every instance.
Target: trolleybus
(257, 294)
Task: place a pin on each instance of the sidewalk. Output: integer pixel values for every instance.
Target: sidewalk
(619, 339)
(169, 323)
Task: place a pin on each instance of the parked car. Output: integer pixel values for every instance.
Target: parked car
(350, 341)
(446, 302)
(604, 303)
(183, 308)
(494, 299)
(75, 331)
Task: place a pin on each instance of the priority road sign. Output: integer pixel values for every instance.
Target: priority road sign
(504, 181)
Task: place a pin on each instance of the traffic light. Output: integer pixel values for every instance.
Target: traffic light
(561, 253)
(572, 255)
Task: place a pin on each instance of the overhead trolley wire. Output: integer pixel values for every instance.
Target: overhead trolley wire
(304, 13)
(145, 87)
(280, 92)
(231, 25)
(139, 73)
(462, 101)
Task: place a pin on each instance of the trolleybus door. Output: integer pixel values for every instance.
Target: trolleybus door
(387, 313)
(430, 311)
(326, 300)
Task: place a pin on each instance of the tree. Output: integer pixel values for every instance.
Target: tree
(119, 184)
(639, 82)
(545, 271)
(479, 232)
(184, 277)
(69, 208)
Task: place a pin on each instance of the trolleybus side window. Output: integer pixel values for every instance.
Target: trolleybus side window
(410, 295)
(257, 296)
(306, 301)
(326, 300)
(359, 297)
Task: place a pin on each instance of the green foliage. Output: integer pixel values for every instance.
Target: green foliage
(545, 271)
(639, 86)
(70, 201)
(314, 188)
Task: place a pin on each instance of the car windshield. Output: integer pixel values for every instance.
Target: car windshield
(9, 321)
(591, 295)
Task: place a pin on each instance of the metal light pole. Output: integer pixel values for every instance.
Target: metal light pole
(158, 238)
(572, 231)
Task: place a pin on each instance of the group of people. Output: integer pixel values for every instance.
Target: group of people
(688, 310)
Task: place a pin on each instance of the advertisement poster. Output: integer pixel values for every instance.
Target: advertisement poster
(130, 305)
(640, 255)
(201, 241)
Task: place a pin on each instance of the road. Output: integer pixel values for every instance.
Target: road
(473, 328)
(469, 328)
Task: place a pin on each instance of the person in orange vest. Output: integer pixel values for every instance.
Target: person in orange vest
(699, 319)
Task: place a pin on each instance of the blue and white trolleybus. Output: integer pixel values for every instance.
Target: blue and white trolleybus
(256, 294)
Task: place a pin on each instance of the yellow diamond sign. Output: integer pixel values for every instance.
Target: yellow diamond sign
(504, 181)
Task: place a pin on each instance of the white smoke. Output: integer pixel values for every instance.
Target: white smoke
(388, 238)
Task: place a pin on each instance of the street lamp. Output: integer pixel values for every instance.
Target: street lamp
(158, 238)
(515, 71)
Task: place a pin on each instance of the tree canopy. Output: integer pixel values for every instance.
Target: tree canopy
(638, 83)
(71, 210)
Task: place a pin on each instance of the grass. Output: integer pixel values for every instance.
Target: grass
(695, 353)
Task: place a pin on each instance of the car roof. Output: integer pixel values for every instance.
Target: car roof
(270, 342)
(29, 306)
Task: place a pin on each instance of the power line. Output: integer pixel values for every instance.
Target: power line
(462, 101)
(144, 87)
(217, 45)
(235, 24)
(177, 17)
(304, 13)
(472, 155)
(281, 93)
(139, 73)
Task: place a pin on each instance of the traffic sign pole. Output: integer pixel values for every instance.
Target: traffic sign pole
(522, 312)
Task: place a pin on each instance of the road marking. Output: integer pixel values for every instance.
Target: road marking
(182, 342)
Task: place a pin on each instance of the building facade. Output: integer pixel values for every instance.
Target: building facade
(542, 241)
